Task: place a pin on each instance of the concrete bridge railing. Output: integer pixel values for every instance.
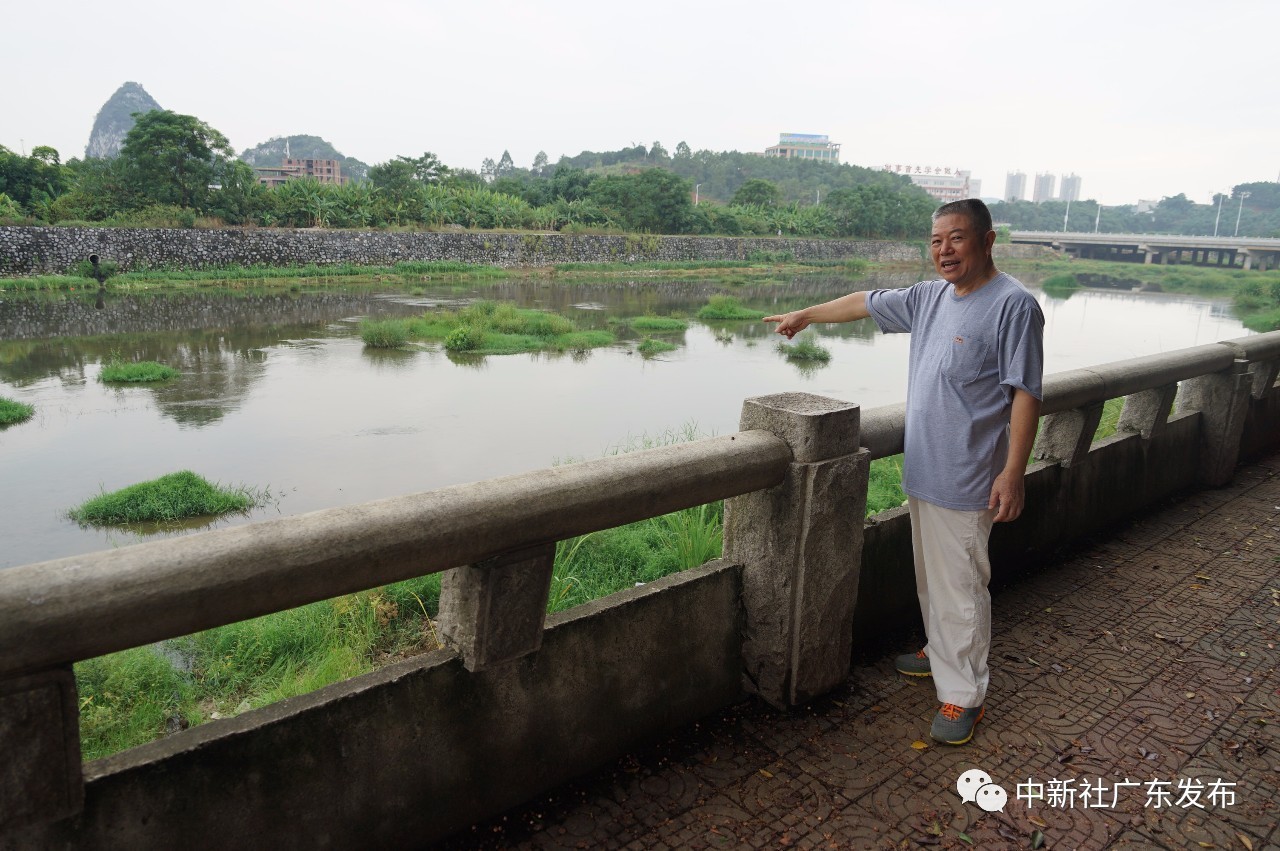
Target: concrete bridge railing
(522, 701)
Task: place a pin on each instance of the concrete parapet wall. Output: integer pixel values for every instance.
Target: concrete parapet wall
(404, 755)
(33, 250)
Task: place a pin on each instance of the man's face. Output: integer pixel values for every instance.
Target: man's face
(959, 252)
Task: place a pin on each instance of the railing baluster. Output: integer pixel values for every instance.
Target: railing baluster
(494, 611)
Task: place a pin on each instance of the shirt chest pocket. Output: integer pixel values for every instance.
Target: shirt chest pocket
(964, 359)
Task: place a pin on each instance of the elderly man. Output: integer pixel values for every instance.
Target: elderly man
(973, 399)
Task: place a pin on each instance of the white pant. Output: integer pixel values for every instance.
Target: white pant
(952, 572)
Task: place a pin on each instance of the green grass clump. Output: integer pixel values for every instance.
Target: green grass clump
(804, 350)
(884, 485)
(12, 411)
(726, 308)
(173, 497)
(1061, 285)
(1266, 320)
(600, 563)
(384, 333)
(653, 324)
(492, 328)
(650, 347)
(116, 370)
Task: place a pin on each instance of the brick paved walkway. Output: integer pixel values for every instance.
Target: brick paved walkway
(1149, 656)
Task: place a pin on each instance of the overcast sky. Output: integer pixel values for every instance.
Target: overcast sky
(1141, 99)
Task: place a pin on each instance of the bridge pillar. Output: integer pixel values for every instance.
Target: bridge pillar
(40, 777)
(1222, 400)
(800, 545)
(494, 611)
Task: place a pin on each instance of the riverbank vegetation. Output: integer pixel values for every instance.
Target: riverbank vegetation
(1255, 295)
(13, 411)
(176, 496)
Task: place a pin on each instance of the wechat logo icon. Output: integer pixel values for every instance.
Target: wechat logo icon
(975, 787)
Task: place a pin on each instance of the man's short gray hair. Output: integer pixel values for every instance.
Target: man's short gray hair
(972, 209)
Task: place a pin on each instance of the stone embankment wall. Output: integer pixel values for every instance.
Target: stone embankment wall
(32, 250)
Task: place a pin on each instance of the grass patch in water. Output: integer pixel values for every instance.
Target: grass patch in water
(650, 347)
(140, 372)
(652, 324)
(176, 496)
(12, 411)
(384, 333)
(487, 328)
(726, 308)
(805, 350)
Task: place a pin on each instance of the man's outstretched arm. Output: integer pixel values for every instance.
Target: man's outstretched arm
(847, 308)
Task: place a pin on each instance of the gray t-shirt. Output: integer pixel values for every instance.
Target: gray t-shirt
(968, 354)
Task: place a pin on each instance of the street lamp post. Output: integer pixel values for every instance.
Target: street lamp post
(1219, 216)
(1097, 220)
(1243, 195)
(695, 193)
(1066, 216)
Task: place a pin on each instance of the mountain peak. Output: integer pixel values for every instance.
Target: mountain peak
(115, 119)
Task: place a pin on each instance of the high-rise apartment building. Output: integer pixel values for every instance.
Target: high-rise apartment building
(1015, 186)
(1043, 189)
(1070, 187)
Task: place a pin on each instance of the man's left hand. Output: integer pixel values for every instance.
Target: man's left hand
(1008, 496)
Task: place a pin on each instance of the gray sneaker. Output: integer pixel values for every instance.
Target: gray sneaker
(913, 664)
(954, 725)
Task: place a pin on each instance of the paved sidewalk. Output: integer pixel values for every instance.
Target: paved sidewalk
(1150, 656)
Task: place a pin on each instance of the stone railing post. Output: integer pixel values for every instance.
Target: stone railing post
(1147, 411)
(40, 777)
(1065, 437)
(1222, 400)
(494, 611)
(800, 544)
(1264, 376)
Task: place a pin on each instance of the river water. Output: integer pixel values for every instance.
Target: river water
(278, 391)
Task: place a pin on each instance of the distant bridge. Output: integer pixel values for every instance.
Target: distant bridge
(1246, 252)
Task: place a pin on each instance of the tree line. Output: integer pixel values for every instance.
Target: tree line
(175, 170)
(1250, 209)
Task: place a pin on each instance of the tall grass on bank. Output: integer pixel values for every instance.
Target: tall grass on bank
(162, 276)
(142, 694)
(12, 411)
(176, 496)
